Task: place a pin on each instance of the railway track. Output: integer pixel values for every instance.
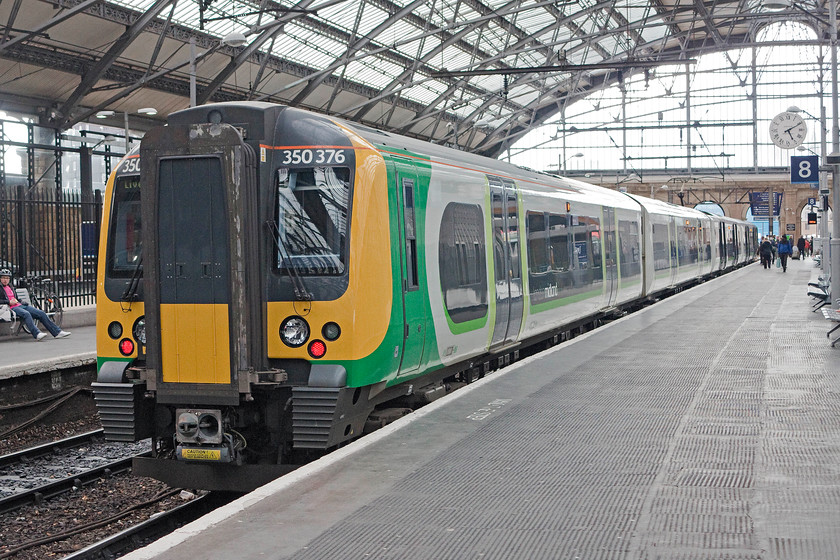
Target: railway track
(38, 494)
(25, 455)
(158, 526)
(50, 469)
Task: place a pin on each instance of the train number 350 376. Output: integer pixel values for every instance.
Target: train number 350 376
(317, 156)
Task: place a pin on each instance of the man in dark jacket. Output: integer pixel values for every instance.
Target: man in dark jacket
(800, 244)
(785, 251)
(765, 251)
(26, 312)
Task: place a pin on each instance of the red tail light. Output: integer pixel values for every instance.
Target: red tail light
(126, 347)
(317, 349)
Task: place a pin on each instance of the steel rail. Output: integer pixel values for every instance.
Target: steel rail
(48, 448)
(37, 495)
(161, 524)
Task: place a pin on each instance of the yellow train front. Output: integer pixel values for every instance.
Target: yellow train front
(266, 309)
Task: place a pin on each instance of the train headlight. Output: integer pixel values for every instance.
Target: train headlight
(294, 331)
(139, 330)
(331, 331)
(115, 330)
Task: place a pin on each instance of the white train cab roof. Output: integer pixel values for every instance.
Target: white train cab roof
(573, 191)
(667, 209)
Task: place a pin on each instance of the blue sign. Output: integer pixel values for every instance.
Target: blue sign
(804, 169)
(90, 243)
(581, 252)
(812, 201)
(759, 203)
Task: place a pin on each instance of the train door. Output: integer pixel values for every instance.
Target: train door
(736, 245)
(414, 314)
(722, 245)
(674, 248)
(506, 260)
(610, 258)
(202, 284)
(194, 270)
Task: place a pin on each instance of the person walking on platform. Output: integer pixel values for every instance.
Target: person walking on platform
(785, 251)
(801, 244)
(765, 252)
(26, 312)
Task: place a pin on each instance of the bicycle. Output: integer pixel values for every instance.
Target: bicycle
(39, 291)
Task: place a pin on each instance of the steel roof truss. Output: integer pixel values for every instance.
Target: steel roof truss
(98, 70)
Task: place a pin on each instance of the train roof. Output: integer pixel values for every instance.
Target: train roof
(525, 178)
(660, 207)
(443, 155)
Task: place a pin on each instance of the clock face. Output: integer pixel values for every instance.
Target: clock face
(788, 130)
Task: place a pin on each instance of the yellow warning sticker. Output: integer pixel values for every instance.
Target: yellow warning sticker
(201, 454)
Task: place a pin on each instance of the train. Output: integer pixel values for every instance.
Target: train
(272, 282)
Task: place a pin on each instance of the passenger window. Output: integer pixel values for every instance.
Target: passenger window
(410, 235)
(628, 238)
(462, 262)
(559, 237)
(537, 243)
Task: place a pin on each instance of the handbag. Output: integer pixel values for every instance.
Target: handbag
(5, 313)
(778, 262)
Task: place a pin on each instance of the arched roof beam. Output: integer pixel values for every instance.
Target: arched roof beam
(146, 81)
(11, 21)
(96, 72)
(382, 49)
(519, 47)
(411, 69)
(357, 46)
(493, 145)
(710, 25)
(48, 24)
(499, 15)
(161, 37)
(268, 32)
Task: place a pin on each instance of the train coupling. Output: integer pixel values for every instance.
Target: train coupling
(199, 436)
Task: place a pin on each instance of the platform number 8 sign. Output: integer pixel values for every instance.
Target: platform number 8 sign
(804, 169)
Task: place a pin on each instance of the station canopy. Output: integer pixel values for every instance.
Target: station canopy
(476, 74)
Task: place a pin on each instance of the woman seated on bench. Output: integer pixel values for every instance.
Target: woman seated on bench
(26, 312)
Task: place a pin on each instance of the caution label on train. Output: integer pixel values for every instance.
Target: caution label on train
(201, 454)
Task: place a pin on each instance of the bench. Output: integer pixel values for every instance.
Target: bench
(820, 293)
(833, 316)
(13, 326)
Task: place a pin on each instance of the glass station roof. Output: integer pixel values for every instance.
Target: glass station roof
(402, 65)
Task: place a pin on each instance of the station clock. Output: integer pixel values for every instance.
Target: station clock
(788, 130)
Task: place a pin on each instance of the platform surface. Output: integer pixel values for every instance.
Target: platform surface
(23, 355)
(704, 427)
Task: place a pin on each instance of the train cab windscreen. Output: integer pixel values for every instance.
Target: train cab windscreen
(312, 219)
(125, 240)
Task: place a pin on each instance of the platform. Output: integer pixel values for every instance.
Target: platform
(23, 355)
(706, 426)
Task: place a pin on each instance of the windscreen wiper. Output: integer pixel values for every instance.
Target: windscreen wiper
(301, 293)
(130, 293)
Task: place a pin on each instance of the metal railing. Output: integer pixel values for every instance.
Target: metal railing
(55, 233)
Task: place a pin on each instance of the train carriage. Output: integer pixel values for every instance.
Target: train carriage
(299, 271)
(679, 248)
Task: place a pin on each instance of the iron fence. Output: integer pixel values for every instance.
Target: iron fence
(54, 233)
